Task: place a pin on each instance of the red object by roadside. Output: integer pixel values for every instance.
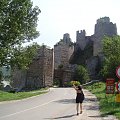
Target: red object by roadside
(110, 86)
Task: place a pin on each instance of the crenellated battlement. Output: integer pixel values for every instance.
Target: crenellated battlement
(81, 39)
(80, 35)
(105, 27)
(103, 20)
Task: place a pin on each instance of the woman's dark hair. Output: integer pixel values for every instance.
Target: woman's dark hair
(79, 88)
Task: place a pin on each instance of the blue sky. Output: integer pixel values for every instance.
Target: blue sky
(58, 17)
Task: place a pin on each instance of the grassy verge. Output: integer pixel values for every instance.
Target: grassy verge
(6, 96)
(108, 106)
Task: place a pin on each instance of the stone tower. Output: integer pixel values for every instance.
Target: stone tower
(81, 40)
(62, 53)
(103, 27)
(66, 38)
(88, 49)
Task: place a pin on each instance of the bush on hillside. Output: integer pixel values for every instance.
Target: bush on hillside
(81, 74)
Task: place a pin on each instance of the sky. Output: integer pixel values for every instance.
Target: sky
(58, 17)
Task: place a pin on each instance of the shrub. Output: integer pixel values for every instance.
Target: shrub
(76, 83)
(81, 74)
(56, 82)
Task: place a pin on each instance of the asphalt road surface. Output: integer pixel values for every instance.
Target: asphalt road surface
(57, 104)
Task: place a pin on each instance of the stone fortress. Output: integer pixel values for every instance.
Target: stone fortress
(87, 50)
(102, 27)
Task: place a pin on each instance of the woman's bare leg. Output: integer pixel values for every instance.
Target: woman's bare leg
(77, 107)
(80, 108)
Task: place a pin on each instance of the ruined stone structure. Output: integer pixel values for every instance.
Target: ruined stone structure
(103, 27)
(81, 40)
(88, 49)
(39, 74)
(62, 53)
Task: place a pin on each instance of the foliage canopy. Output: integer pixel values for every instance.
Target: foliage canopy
(81, 74)
(18, 22)
(111, 51)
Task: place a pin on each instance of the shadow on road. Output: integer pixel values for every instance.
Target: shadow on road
(66, 101)
(91, 99)
(66, 116)
(90, 107)
(96, 116)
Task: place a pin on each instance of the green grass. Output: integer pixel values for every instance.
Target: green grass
(107, 103)
(6, 96)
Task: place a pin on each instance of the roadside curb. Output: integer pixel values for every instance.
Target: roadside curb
(11, 101)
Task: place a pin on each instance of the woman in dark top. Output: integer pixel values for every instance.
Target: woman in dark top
(79, 98)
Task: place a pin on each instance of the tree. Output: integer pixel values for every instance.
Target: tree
(23, 56)
(81, 74)
(18, 22)
(111, 51)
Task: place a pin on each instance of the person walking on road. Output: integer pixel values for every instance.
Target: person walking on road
(79, 98)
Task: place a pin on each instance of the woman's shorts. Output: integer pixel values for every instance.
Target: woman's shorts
(79, 101)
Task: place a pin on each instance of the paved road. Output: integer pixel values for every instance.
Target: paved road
(57, 104)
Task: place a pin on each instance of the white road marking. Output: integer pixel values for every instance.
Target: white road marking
(30, 108)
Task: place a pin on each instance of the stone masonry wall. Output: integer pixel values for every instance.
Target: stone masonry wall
(39, 74)
(61, 55)
(48, 67)
(18, 78)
